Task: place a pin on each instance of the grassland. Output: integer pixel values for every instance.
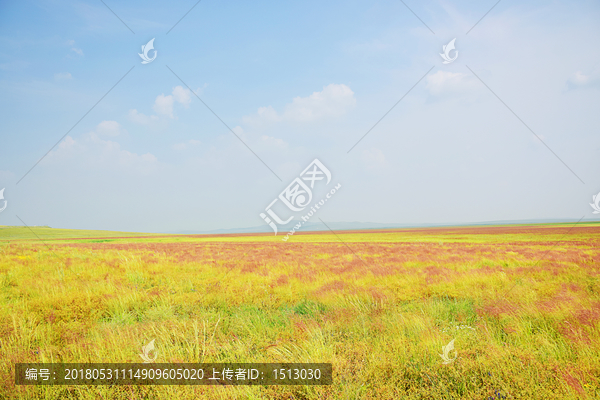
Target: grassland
(521, 302)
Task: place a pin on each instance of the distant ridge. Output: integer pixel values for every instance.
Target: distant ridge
(347, 226)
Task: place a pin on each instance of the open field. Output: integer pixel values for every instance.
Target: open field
(521, 302)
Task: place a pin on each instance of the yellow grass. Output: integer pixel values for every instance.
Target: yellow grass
(522, 303)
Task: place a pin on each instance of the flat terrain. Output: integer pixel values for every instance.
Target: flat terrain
(521, 302)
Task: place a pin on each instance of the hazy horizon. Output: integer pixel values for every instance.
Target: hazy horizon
(335, 226)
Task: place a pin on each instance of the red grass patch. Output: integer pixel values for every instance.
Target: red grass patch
(497, 308)
(574, 334)
(335, 286)
(573, 382)
(562, 299)
(282, 280)
(589, 317)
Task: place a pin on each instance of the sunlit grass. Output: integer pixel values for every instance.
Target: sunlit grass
(523, 309)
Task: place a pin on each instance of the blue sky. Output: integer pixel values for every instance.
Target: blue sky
(297, 81)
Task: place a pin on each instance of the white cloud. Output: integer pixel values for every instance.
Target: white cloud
(579, 79)
(333, 101)
(111, 153)
(274, 142)
(182, 96)
(444, 82)
(199, 90)
(185, 145)
(163, 106)
(62, 76)
(93, 152)
(238, 130)
(268, 114)
(140, 118)
(73, 48)
(110, 128)
(67, 144)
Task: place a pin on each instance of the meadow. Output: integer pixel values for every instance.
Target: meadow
(521, 302)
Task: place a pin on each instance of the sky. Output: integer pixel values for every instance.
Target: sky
(243, 96)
